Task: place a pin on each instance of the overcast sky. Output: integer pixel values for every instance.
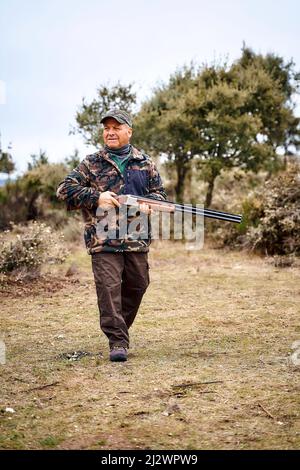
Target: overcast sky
(54, 52)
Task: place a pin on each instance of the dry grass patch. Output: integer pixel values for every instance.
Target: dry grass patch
(209, 365)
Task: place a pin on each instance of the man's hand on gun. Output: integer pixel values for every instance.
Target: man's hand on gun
(107, 200)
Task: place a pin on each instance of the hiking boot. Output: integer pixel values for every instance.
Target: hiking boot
(118, 354)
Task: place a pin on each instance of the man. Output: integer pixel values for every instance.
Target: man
(119, 263)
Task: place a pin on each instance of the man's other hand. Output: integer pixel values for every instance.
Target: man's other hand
(107, 200)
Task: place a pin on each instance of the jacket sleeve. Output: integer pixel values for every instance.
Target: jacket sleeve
(156, 188)
(75, 189)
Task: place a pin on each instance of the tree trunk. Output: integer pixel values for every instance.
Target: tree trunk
(210, 189)
(179, 188)
(32, 211)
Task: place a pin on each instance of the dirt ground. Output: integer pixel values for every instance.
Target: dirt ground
(209, 367)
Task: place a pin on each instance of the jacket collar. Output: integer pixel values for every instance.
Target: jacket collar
(135, 154)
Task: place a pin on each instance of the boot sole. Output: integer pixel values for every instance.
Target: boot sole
(118, 359)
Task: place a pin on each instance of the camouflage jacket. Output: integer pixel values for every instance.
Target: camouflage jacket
(98, 173)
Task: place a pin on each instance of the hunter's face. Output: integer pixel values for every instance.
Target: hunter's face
(116, 135)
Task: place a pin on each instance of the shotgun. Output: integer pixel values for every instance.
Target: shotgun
(168, 206)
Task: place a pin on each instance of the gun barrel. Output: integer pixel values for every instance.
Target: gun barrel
(209, 213)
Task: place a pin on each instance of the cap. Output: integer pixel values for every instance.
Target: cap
(121, 116)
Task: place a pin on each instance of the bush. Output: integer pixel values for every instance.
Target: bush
(30, 195)
(73, 229)
(272, 217)
(27, 248)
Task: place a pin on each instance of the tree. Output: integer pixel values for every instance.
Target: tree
(228, 132)
(31, 195)
(38, 160)
(223, 117)
(73, 160)
(162, 126)
(89, 115)
(198, 115)
(6, 163)
(273, 84)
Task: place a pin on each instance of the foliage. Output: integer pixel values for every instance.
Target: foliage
(13, 204)
(162, 126)
(222, 117)
(6, 163)
(271, 217)
(273, 84)
(73, 160)
(29, 247)
(73, 229)
(44, 179)
(26, 198)
(89, 115)
(38, 160)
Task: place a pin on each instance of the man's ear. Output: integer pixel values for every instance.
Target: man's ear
(129, 131)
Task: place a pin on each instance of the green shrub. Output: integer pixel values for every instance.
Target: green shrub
(271, 217)
(28, 247)
(31, 195)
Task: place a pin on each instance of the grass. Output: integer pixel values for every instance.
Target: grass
(208, 367)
